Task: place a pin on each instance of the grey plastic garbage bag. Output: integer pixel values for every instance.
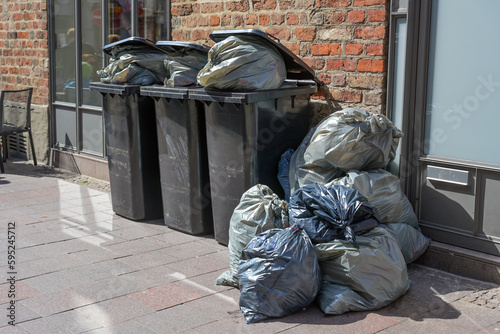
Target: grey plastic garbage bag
(361, 279)
(279, 274)
(183, 67)
(411, 241)
(243, 63)
(259, 210)
(345, 140)
(328, 213)
(383, 190)
(133, 65)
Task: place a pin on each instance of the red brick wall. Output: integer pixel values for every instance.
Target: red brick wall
(344, 41)
(24, 53)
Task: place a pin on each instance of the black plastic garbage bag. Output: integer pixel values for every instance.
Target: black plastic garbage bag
(279, 274)
(243, 63)
(259, 210)
(283, 172)
(133, 64)
(328, 213)
(361, 279)
(345, 140)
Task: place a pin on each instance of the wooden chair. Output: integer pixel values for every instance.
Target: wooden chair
(15, 117)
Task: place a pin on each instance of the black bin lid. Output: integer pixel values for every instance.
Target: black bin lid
(143, 43)
(297, 69)
(120, 89)
(171, 46)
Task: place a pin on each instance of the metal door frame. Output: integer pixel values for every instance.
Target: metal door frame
(78, 107)
(413, 160)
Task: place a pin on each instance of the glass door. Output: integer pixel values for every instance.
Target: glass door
(76, 59)
(458, 159)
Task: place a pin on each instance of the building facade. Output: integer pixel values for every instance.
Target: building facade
(413, 60)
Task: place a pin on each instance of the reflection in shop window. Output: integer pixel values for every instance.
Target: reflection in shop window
(150, 20)
(91, 50)
(65, 54)
(119, 20)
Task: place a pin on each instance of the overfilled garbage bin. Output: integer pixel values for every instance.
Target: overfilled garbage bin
(248, 131)
(131, 141)
(182, 153)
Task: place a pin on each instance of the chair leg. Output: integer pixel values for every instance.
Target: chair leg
(5, 148)
(2, 169)
(32, 148)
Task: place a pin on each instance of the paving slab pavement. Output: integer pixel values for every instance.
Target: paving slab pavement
(80, 268)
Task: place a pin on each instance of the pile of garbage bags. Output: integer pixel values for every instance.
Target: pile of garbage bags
(136, 65)
(235, 63)
(342, 237)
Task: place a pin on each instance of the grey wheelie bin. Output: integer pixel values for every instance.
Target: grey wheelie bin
(131, 142)
(248, 131)
(182, 152)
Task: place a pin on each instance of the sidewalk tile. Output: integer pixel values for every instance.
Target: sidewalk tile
(151, 259)
(56, 302)
(55, 281)
(176, 319)
(204, 284)
(59, 248)
(94, 254)
(460, 317)
(172, 237)
(135, 232)
(101, 270)
(84, 230)
(22, 314)
(493, 329)
(86, 209)
(45, 265)
(21, 290)
(128, 327)
(62, 323)
(22, 219)
(313, 321)
(102, 199)
(222, 304)
(108, 288)
(165, 296)
(410, 307)
(102, 240)
(198, 265)
(236, 324)
(152, 277)
(137, 246)
(114, 311)
(429, 283)
(191, 249)
(13, 330)
(91, 218)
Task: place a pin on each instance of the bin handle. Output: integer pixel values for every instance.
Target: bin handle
(276, 38)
